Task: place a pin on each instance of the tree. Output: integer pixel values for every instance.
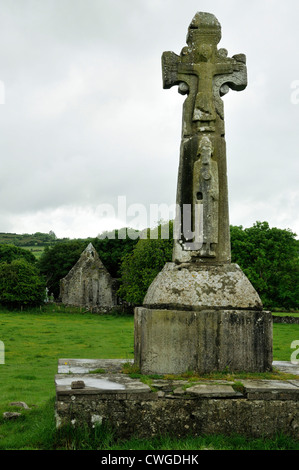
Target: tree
(52, 235)
(113, 250)
(20, 284)
(9, 253)
(269, 258)
(140, 267)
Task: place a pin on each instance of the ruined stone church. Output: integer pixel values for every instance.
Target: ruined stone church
(88, 284)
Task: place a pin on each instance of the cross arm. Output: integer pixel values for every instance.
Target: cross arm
(236, 74)
(236, 80)
(170, 66)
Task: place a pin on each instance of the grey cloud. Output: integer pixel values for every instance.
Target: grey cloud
(86, 119)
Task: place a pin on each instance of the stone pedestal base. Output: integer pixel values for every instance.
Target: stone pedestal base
(190, 286)
(176, 341)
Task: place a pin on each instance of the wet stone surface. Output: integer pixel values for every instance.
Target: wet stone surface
(100, 383)
(112, 380)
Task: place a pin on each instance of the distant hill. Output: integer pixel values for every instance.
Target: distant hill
(35, 242)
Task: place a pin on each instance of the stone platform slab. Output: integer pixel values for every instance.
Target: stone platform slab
(253, 408)
(66, 384)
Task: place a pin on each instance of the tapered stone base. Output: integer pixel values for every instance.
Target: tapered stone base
(176, 341)
(190, 286)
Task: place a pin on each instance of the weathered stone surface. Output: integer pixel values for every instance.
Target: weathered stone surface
(88, 284)
(99, 383)
(212, 407)
(182, 416)
(212, 391)
(21, 404)
(287, 367)
(285, 319)
(271, 389)
(173, 407)
(10, 415)
(78, 384)
(204, 73)
(176, 341)
(192, 286)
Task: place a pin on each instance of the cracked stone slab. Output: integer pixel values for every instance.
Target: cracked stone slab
(288, 367)
(260, 385)
(213, 391)
(295, 382)
(271, 389)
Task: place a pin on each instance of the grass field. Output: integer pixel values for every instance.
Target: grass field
(37, 251)
(286, 314)
(35, 340)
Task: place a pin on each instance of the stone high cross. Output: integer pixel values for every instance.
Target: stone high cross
(205, 74)
(201, 312)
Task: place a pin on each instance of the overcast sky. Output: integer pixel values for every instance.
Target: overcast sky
(85, 122)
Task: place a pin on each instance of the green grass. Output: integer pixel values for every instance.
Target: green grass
(283, 336)
(103, 440)
(286, 314)
(35, 340)
(37, 251)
